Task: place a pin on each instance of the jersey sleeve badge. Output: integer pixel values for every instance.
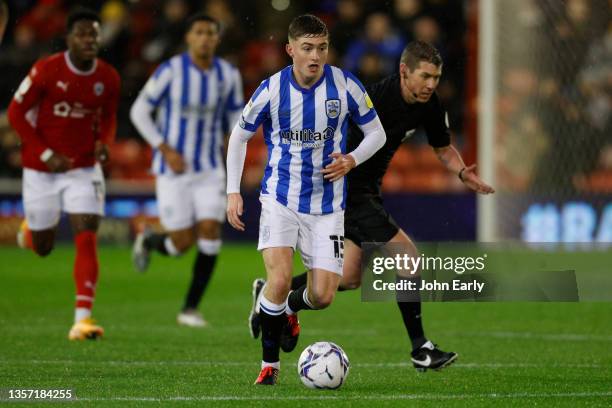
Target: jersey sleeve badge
(368, 101)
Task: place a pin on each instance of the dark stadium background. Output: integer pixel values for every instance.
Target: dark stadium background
(558, 154)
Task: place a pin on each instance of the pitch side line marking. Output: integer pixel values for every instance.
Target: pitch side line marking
(542, 336)
(254, 364)
(577, 337)
(360, 397)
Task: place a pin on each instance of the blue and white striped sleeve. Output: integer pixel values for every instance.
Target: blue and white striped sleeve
(254, 113)
(235, 100)
(158, 86)
(155, 91)
(360, 105)
(257, 109)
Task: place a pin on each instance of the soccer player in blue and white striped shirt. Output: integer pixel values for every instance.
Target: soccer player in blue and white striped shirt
(192, 94)
(304, 110)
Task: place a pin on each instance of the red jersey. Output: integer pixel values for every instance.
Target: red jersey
(61, 108)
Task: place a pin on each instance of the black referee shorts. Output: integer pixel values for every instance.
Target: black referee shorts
(366, 220)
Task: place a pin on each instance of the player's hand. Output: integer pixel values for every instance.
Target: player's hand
(342, 164)
(472, 181)
(173, 158)
(101, 152)
(234, 211)
(58, 163)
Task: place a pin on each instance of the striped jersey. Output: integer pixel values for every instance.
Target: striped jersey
(302, 127)
(194, 109)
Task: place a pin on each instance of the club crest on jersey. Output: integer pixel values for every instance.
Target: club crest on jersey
(332, 108)
(98, 88)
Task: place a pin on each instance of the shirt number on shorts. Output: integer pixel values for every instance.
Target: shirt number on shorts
(338, 241)
(98, 190)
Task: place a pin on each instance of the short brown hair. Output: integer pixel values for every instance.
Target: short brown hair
(418, 51)
(202, 17)
(307, 25)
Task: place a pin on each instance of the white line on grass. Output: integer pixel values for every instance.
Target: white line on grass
(577, 337)
(541, 336)
(255, 364)
(360, 397)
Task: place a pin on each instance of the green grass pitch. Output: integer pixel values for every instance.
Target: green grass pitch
(510, 354)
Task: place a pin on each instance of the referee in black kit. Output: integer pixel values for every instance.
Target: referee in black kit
(404, 102)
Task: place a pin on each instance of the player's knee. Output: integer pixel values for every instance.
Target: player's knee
(279, 285)
(182, 245)
(351, 284)
(322, 299)
(182, 241)
(278, 288)
(209, 230)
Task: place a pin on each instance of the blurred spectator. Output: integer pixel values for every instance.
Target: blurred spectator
(426, 29)
(370, 68)
(114, 33)
(348, 25)
(17, 58)
(379, 38)
(231, 30)
(170, 29)
(595, 79)
(406, 11)
(47, 19)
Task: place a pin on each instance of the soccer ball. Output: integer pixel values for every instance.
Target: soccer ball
(323, 365)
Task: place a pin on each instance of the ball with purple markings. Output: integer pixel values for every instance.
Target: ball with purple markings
(323, 365)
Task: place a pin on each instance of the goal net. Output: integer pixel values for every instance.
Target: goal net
(545, 136)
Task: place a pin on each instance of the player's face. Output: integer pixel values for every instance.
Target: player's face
(84, 39)
(421, 83)
(309, 55)
(202, 39)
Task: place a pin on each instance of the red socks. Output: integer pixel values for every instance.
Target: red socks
(85, 268)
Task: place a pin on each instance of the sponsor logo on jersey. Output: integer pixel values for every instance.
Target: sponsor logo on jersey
(307, 137)
(332, 108)
(65, 110)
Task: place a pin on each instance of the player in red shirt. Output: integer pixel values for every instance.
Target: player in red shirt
(65, 113)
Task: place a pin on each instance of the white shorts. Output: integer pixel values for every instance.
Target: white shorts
(46, 195)
(185, 199)
(319, 238)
